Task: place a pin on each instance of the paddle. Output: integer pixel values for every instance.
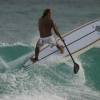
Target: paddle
(76, 66)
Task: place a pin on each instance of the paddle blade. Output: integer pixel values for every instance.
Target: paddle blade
(76, 68)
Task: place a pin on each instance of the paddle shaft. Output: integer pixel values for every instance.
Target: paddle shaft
(69, 52)
(67, 49)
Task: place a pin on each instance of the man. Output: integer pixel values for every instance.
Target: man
(45, 26)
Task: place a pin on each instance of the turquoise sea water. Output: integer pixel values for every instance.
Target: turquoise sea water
(52, 80)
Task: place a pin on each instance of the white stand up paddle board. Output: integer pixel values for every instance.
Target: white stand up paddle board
(78, 41)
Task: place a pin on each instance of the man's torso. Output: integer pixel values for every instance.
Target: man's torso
(45, 26)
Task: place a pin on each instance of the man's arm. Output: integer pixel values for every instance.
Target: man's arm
(56, 31)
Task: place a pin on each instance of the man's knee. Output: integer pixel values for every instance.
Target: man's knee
(61, 48)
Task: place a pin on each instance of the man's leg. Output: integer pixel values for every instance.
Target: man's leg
(37, 49)
(60, 48)
(53, 42)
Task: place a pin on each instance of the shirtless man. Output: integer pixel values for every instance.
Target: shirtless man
(45, 26)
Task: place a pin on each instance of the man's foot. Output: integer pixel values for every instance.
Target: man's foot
(33, 59)
(61, 48)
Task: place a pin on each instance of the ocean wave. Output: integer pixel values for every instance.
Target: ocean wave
(10, 52)
(3, 65)
(34, 97)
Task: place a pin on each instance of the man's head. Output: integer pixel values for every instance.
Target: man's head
(47, 12)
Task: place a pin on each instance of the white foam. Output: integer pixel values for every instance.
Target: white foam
(2, 44)
(34, 40)
(80, 77)
(35, 97)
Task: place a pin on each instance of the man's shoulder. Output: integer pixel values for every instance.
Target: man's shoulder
(48, 20)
